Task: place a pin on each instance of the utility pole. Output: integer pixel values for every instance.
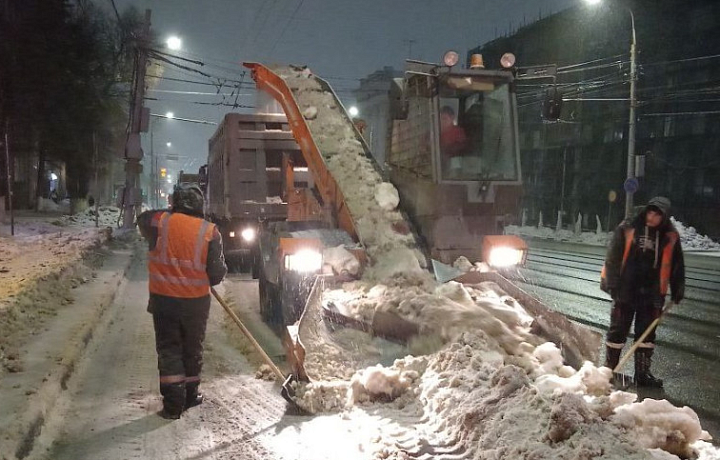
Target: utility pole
(96, 191)
(139, 119)
(9, 180)
(631, 122)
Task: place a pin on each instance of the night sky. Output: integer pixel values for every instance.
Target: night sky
(340, 40)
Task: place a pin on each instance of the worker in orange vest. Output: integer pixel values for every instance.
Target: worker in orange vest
(185, 258)
(643, 260)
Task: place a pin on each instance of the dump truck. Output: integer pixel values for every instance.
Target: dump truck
(449, 205)
(185, 178)
(243, 180)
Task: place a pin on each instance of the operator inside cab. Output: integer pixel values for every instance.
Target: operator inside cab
(477, 129)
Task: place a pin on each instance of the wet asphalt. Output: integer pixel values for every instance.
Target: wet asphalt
(565, 276)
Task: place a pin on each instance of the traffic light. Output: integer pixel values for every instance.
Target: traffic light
(163, 172)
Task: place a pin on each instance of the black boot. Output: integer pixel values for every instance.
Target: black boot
(643, 377)
(173, 400)
(612, 358)
(192, 397)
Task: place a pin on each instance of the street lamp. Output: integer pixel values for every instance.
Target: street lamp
(170, 115)
(631, 181)
(169, 144)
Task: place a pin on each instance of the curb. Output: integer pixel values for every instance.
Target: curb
(31, 419)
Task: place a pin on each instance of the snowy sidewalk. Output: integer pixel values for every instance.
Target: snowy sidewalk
(40, 367)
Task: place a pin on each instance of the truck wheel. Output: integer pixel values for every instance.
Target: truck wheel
(255, 268)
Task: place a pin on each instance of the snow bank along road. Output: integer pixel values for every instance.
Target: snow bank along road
(566, 277)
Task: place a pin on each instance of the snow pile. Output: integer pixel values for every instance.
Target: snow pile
(659, 424)
(371, 202)
(341, 260)
(487, 388)
(593, 238)
(470, 400)
(107, 217)
(690, 239)
(26, 259)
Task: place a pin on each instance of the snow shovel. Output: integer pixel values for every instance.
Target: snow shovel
(287, 391)
(642, 338)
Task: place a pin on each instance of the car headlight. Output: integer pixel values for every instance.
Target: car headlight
(304, 261)
(505, 257)
(232, 234)
(248, 234)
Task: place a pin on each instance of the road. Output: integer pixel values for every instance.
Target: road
(109, 412)
(566, 277)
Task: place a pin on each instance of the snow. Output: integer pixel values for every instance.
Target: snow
(689, 237)
(485, 385)
(341, 260)
(476, 383)
(371, 202)
(387, 196)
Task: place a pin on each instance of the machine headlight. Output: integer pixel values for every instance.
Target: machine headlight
(503, 251)
(504, 257)
(248, 234)
(304, 261)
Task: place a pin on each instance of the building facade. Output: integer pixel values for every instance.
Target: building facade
(575, 165)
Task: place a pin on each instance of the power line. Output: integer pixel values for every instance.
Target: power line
(117, 15)
(196, 93)
(286, 26)
(188, 120)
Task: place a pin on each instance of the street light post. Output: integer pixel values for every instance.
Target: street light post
(632, 121)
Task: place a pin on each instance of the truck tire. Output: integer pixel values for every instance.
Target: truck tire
(265, 303)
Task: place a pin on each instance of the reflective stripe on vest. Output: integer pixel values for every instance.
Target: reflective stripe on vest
(666, 263)
(177, 264)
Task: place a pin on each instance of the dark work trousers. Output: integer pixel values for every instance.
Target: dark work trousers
(622, 317)
(179, 333)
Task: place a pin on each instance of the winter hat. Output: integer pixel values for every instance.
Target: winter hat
(661, 203)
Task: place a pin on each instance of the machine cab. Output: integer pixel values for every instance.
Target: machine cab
(459, 126)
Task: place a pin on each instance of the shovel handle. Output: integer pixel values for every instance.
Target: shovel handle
(642, 338)
(247, 334)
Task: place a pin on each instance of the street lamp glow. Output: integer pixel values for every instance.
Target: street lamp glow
(170, 115)
(353, 111)
(169, 144)
(174, 43)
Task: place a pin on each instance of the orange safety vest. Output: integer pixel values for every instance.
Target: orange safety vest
(665, 260)
(177, 264)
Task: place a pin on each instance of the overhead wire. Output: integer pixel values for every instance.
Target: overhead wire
(292, 17)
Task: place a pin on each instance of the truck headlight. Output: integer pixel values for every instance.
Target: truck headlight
(502, 251)
(248, 234)
(505, 257)
(304, 261)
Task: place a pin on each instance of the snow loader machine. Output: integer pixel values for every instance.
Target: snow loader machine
(452, 204)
